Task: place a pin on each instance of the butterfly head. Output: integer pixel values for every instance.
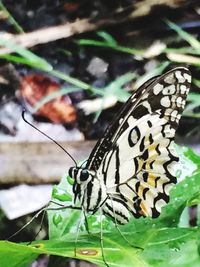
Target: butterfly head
(80, 175)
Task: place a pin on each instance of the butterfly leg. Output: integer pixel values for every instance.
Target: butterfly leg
(101, 240)
(86, 222)
(118, 229)
(40, 228)
(24, 226)
(77, 232)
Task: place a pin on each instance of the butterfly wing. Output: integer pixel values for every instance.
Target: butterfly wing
(136, 157)
(104, 145)
(141, 177)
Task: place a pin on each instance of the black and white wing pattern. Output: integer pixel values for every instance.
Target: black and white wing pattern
(132, 167)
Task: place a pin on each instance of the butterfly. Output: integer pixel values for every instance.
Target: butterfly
(132, 168)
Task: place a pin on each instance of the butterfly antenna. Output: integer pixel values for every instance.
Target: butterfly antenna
(23, 117)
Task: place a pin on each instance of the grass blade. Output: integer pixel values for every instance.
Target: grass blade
(31, 58)
(184, 35)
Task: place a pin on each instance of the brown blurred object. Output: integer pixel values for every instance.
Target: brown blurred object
(72, 6)
(37, 86)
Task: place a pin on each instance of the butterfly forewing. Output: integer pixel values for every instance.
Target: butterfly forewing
(104, 144)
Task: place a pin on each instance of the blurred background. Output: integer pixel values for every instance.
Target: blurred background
(72, 65)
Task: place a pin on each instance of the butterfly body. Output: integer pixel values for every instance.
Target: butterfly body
(131, 169)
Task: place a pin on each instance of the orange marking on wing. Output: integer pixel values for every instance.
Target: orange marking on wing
(140, 191)
(140, 164)
(151, 179)
(143, 209)
(153, 154)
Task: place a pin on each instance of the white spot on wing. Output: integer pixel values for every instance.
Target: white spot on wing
(131, 120)
(183, 88)
(179, 101)
(170, 78)
(178, 117)
(183, 103)
(147, 105)
(174, 115)
(179, 76)
(157, 88)
(165, 101)
(134, 136)
(187, 77)
(169, 132)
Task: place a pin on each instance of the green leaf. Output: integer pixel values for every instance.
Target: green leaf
(161, 247)
(15, 255)
(70, 180)
(179, 252)
(61, 194)
(62, 221)
(194, 200)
